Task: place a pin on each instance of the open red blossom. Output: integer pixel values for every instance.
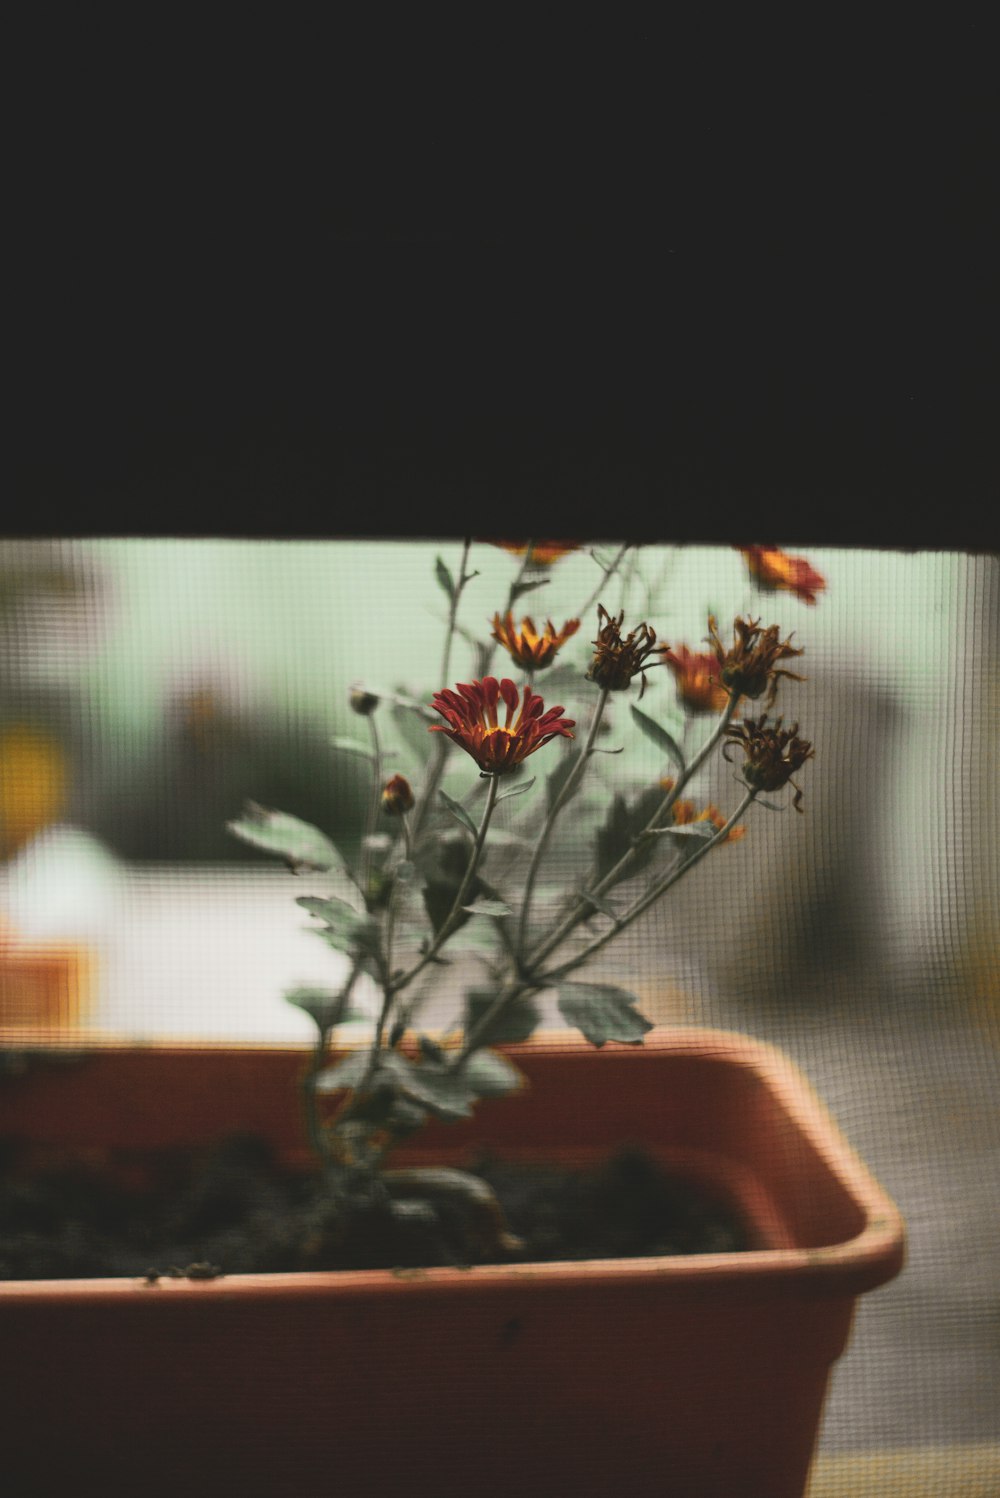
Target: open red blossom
(471, 721)
(773, 569)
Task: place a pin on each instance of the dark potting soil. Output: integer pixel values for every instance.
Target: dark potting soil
(235, 1209)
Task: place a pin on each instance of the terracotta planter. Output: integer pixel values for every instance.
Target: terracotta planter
(695, 1375)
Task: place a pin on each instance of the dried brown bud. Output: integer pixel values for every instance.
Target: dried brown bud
(615, 660)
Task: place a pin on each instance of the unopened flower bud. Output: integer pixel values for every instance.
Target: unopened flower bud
(397, 796)
(362, 701)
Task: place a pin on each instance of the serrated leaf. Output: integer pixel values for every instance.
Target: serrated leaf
(459, 812)
(517, 789)
(445, 581)
(488, 907)
(603, 1012)
(299, 843)
(659, 736)
(344, 929)
(517, 1021)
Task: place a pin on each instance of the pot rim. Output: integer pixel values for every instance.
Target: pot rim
(869, 1258)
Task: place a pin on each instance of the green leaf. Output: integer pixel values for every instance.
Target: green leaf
(699, 831)
(527, 585)
(517, 789)
(413, 725)
(346, 1073)
(602, 1012)
(345, 929)
(325, 1006)
(659, 736)
(444, 578)
(690, 836)
(459, 811)
(336, 913)
(444, 1093)
(518, 1020)
(491, 1075)
(351, 746)
(301, 845)
(622, 825)
(429, 1048)
(488, 907)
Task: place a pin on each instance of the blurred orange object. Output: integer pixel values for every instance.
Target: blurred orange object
(43, 984)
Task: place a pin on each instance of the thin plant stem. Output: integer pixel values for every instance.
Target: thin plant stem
(582, 905)
(440, 749)
(568, 787)
(608, 572)
(656, 892)
(371, 815)
(396, 985)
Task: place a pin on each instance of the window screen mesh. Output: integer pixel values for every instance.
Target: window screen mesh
(149, 688)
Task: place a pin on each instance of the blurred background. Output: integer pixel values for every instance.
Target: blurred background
(150, 687)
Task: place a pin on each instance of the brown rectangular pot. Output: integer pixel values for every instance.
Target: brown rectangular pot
(695, 1375)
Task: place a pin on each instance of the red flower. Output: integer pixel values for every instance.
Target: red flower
(470, 715)
(526, 646)
(698, 677)
(773, 569)
(543, 553)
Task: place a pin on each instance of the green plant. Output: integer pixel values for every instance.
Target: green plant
(441, 878)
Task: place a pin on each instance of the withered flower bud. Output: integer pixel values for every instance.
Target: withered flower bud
(749, 667)
(397, 796)
(772, 754)
(362, 701)
(617, 661)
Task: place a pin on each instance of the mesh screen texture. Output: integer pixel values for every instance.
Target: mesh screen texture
(150, 687)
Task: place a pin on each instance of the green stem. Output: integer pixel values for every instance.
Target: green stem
(371, 817)
(396, 985)
(608, 572)
(440, 749)
(314, 1128)
(569, 786)
(582, 906)
(656, 892)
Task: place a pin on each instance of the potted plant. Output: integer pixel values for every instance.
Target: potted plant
(423, 1309)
